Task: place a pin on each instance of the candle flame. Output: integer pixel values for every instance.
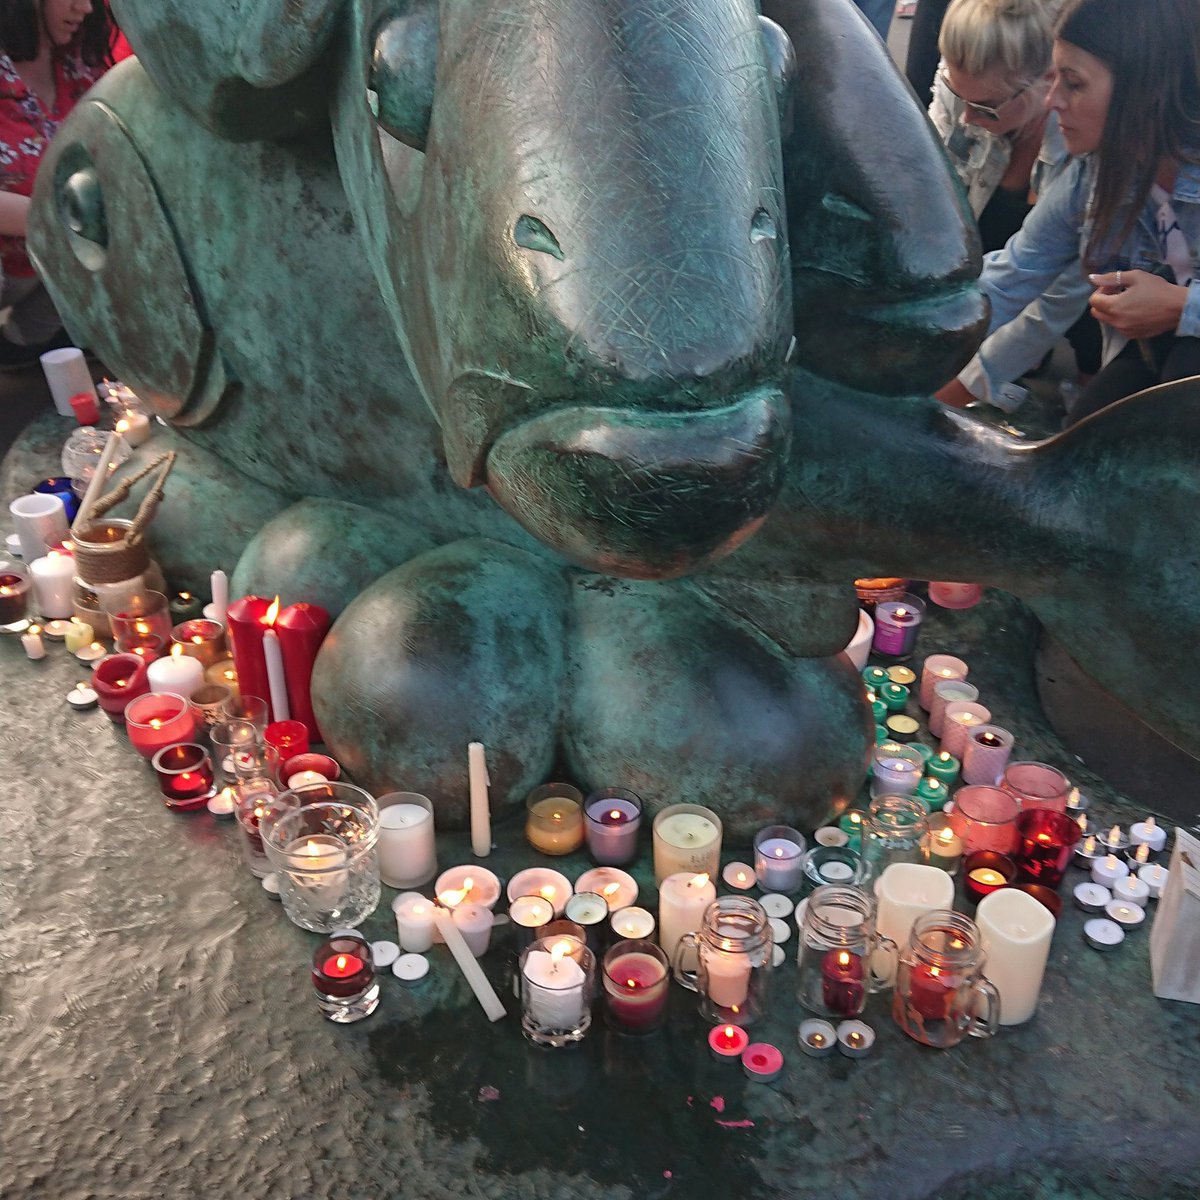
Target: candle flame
(1081, 821)
(452, 898)
(697, 881)
(468, 883)
(1089, 844)
(1114, 835)
(122, 426)
(340, 962)
(185, 596)
(935, 970)
(855, 1038)
(611, 889)
(312, 849)
(901, 612)
(615, 814)
(155, 723)
(1111, 861)
(559, 949)
(140, 626)
(742, 877)
(1142, 853)
(631, 983)
(843, 958)
(946, 835)
(548, 891)
(728, 1031)
(177, 650)
(816, 1039)
(272, 612)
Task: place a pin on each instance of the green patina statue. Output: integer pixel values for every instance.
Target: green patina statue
(577, 356)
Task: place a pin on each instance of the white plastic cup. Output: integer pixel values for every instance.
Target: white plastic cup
(67, 375)
(40, 521)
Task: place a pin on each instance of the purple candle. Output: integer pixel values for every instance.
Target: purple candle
(612, 819)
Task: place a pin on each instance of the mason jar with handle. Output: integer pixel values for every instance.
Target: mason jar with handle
(841, 958)
(942, 995)
(733, 948)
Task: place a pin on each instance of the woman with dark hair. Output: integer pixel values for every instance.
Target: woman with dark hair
(1126, 92)
(51, 52)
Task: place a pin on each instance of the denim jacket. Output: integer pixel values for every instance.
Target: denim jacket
(1056, 233)
(980, 159)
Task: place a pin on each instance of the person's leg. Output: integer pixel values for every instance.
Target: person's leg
(921, 63)
(1182, 360)
(879, 13)
(34, 320)
(1127, 373)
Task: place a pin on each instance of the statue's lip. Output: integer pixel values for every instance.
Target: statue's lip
(645, 492)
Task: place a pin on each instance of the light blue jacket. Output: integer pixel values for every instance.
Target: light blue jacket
(1056, 233)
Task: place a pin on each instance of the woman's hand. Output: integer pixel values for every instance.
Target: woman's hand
(1137, 304)
(954, 394)
(14, 210)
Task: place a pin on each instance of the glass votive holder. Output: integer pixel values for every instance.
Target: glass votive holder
(612, 819)
(557, 978)
(779, 858)
(185, 775)
(986, 755)
(897, 829)
(309, 765)
(159, 719)
(344, 980)
(1037, 785)
(211, 701)
(590, 912)
(985, 871)
(257, 803)
(948, 691)
(117, 680)
(228, 735)
(687, 839)
(986, 819)
(959, 720)
(554, 818)
(896, 769)
(251, 708)
(528, 916)
(636, 977)
(836, 865)
(288, 737)
(149, 647)
(734, 947)
(1047, 841)
(15, 588)
(254, 759)
(141, 614)
(944, 846)
(202, 640)
(897, 623)
(407, 850)
(324, 855)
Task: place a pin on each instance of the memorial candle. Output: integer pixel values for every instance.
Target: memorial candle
(554, 818)
(246, 622)
(407, 854)
(938, 667)
(682, 900)
(301, 628)
(54, 584)
(175, 673)
(687, 839)
(202, 640)
(779, 858)
(843, 986)
(185, 775)
(635, 987)
(612, 818)
(159, 719)
(117, 680)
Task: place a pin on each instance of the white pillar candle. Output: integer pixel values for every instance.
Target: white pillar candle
(219, 586)
(54, 584)
(133, 426)
(67, 374)
(687, 840)
(474, 922)
(471, 970)
(1148, 833)
(682, 899)
(905, 892)
(936, 668)
(31, 641)
(1015, 932)
(276, 680)
(481, 813)
(554, 983)
(414, 922)
(176, 672)
(407, 854)
(1155, 878)
(40, 521)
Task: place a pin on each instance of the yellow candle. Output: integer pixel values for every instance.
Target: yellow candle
(555, 825)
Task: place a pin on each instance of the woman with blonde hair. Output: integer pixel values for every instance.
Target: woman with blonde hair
(989, 108)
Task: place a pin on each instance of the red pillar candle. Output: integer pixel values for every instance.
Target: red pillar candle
(932, 991)
(302, 629)
(117, 680)
(246, 620)
(159, 719)
(843, 990)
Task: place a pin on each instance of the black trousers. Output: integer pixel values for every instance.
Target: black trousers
(1143, 364)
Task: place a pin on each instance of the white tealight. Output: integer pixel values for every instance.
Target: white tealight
(1141, 833)
(831, 835)
(81, 696)
(855, 1038)
(57, 630)
(775, 904)
(739, 875)
(817, 1038)
(410, 968)
(12, 546)
(383, 954)
(224, 803)
(777, 956)
(303, 779)
(270, 885)
(1155, 878)
(91, 652)
(1127, 915)
(780, 930)
(1107, 870)
(1132, 890)
(1091, 897)
(801, 909)
(1102, 934)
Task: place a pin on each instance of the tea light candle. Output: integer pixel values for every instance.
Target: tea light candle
(133, 426)
(31, 642)
(1077, 802)
(1128, 916)
(1137, 856)
(1091, 897)
(1107, 870)
(943, 767)
(948, 691)
(82, 697)
(184, 606)
(529, 915)
(762, 1062)
(894, 696)
(959, 721)
(176, 673)
(589, 911)
(1102, 934)
(687, 840)
(933, 793)
(612, 818)
(775, 904)
(224, 803)
(875, 678)
(682, 899)
(78, 635)
(827, 835)
(855, 1039)
(945, 848)
(986, 755)
(728, 1042)
(1148, 833)
(636, 991)
(410, 968)
(1132, 890)
(852, 823)
(740, 876)
(540, 881)
(1155, 878)
(901, 727)
(905, 676)
(476, 884)
(636, 924)
(817, 1038)
(935, 669)
(986, 871)
(185, 775)
(383, 954)
(1088, 852)
(92, 652)
(1114, 841)
(618, 888)
(414, 921)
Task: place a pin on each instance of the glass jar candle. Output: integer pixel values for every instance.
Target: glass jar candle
(344, 980)
(1046, 844)
(288, 737)
(896, 769)
(554, 818)
(836, 964)
(733, 947)
(15, 588)
(117, 680)
(159, 719)
(835, 865)
(779, 858)
(948, 691)
(185, 775)
(202, 640)
(986, 819)
(228, 735)
(935, 669)
(407, 850)
(942, 995)
(955, 595)
(1037, 785)
(897, 828)
(945, 847)
(986, 754)
(959, 720)
(612, 818)
(258, 801)
(687, 839)
(557, 977)
(142, 614)
(590, 912)
(211, 702)
(897, 623)
(636, 978)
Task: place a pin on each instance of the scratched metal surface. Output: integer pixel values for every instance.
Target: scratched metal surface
(160, 1038)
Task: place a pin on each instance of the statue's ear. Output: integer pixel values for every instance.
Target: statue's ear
(403, 66)
(781, 62)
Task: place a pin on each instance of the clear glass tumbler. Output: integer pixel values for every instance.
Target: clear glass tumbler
(734, 948)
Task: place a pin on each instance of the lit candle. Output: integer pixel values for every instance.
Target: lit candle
(176, 673)
(1107, 870)
(273, 656)
(528, 915)
(54, 584)
(635, 986)
(554, 819)
(414, 922)
(945, 849)
(855, 1038)
(728, 1042)
(936, 668)
(1148, 833)
(158, 719)
(843, 987)
(541, 881)
(31, 641)
(633, 923)
(682, 899)
(133, 426)
(303, 779)
(202, 640)
(224, 672)
(1132, 890)
(618, 888)
(740, 876)
(779, 859)
(959, 720)
(316, 864)
(79, 634)
(81, 696)
(945, 693)
(687, 839)
(477, 883)
(554, 984)
(184, 606)
(612, 819)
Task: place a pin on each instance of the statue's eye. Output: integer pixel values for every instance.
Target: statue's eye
(533, 234)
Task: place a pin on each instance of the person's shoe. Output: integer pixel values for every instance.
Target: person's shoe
(14, 357)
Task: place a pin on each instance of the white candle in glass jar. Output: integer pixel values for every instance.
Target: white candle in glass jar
(1015, 932)
(554, 983)
(682, 900)
(314, 866)
(687, 840)
(407, 854)
(726, 972)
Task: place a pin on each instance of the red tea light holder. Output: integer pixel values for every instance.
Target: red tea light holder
(986, 871)
(185, 776)
(149, 647)
(344, 980)
(159, 719)
(1047, 844)
(727, 1043)
(637, 980)
(142, 615)
(311, 765)
(290, 738)
(118, 680)
(15, 587)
